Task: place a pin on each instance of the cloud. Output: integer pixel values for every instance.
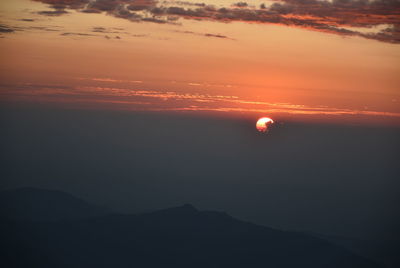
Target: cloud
(5, 29)
(215, 35)
(141, 5)
(104, 5)
(62, 4)
(57, 12)
(206, 34)
(77, 34)
(341, 17)
(241, 4)
(106, 90)
(43, 28)
(59, 6)
(99, 29)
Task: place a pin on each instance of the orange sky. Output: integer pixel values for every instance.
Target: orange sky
(102, 60)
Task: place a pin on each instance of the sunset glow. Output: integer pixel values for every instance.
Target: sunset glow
(191, 57)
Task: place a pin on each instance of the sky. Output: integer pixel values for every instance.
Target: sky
(305, 60)
(142, 104)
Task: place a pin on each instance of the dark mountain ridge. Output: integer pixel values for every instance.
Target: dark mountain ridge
(175, 237)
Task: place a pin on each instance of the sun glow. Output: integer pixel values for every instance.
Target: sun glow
(263, 124)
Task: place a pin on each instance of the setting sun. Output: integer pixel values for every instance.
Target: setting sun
(263, 124)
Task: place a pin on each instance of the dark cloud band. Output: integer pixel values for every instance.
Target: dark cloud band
(342, 17)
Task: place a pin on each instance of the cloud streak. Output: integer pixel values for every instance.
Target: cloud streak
(6, 29)
(205, 34)
(341, 17)
(167, 100)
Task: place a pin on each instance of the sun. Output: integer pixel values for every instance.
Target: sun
(263, 124)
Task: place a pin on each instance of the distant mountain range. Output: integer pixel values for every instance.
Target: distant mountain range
(44, 228)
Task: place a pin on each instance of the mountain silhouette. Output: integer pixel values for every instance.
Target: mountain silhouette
(43, 205)
(382, 251)
(176, 237)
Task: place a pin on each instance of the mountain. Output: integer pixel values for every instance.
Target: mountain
(176, 237)
(43, 205)
(385, 252)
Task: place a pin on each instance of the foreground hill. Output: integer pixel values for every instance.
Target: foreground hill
(175, 237)
(381, 251)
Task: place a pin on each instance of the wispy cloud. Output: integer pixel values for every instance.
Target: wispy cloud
(110, 80)
(77, 34)
(206, 34)
(6, 29)
(168, 100)
(283, 110)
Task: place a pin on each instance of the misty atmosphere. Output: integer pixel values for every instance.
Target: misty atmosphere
(322, 181)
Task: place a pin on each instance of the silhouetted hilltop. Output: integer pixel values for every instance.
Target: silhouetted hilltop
(41, 205)
(174, 237)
